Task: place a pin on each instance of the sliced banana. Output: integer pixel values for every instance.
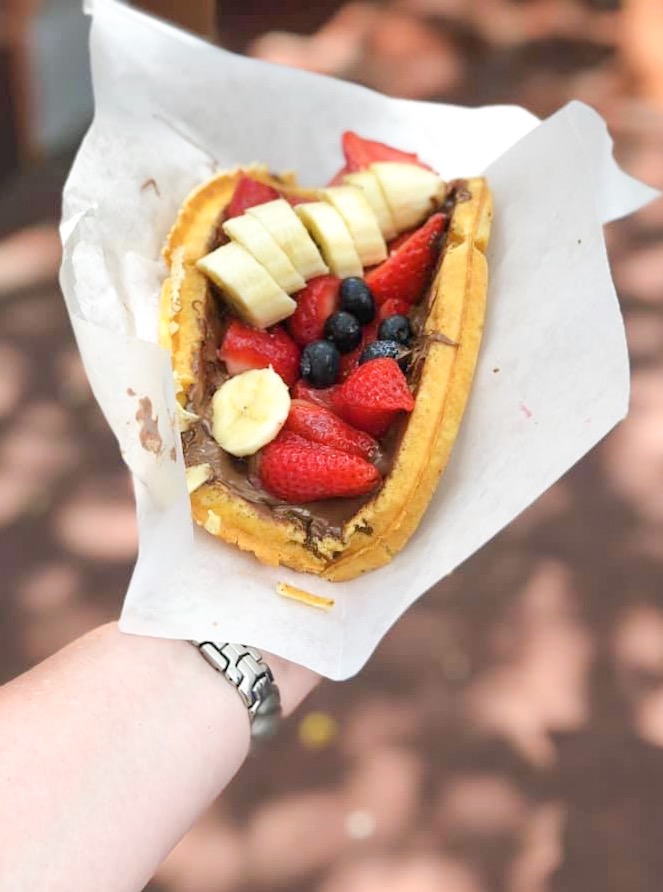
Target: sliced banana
(184, 418)
(328, 229)
(370, 186)
(249, 232)
(290, 234)
(360, 218)
(247, 285)
(249, 410)
(412, 192)
(196, 475)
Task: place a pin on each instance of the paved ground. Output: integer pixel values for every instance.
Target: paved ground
(508, 733)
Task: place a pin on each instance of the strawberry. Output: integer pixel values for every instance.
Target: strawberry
(395, 243)
(249, 193)
(394, 306)
(321, 426)
(406, 272)
(294, 200)
(315, 304)
(319, 396)
(360, 153)
(350, 361)
(245, 348)
(297, 470)
(373, 395)
(337, 179)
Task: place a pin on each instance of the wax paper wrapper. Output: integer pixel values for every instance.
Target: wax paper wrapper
(553, 372)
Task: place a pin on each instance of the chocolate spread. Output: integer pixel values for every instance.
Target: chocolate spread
(321, 518)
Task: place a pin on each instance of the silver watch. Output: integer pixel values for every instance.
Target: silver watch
(244, 668)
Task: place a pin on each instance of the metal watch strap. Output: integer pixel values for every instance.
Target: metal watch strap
(248, 673)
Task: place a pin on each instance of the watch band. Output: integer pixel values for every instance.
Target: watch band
(244, 668)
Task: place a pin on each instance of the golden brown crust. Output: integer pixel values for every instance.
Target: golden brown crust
(453, 328)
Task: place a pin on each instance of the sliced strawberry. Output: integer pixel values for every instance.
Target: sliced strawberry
(350, 361)
(294, 200)
(319, 396)
(393, 307)
(315, 304)
(373, 395)
(396, 243)
(359, 153)
(320, 425)
(297, 470)
(337, 179)
(245, 348)
(406, 273)
(249, 193)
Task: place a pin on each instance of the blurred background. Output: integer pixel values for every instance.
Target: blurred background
(507, 736)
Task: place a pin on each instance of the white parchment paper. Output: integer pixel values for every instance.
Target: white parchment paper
(553, 372)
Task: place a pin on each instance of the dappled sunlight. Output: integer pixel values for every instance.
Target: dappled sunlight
(414, 873)
(539, 682)
(634, 454)
(98, 523)
(508, 732)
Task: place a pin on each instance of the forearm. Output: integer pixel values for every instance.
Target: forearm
(108, 752)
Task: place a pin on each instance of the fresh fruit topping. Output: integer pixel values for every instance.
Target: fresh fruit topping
(350, 361)
(319, 425)
(320, 363)
(338, 178)
(370, 186)
(362, 223)
(294, 200)
(373, 395)
(197, 475)
(290, 234)
(245, 348)
(252, 235)
(412, 193)
(386, 350)
(395, 328)
(395, 243)
(297, 470)
(357, 299)
(319, 396)
(393, 306)
(360, 153)
(343, 329)
(249, 410)
(247, 285)
(405, 274)
(248, 193)
(315, 304)
(332, 236)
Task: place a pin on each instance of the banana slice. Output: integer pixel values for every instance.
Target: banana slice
(411, 191)
(328, 229)
(249, 410)
(247, 285)
(370, 186)
(360, 218)
(287, 230)
(196, 476)
(252, 235)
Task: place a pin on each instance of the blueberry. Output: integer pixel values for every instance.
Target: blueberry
(344, 330)
(357, 299)
(320, 363)
(386, 350)
(395, 328)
